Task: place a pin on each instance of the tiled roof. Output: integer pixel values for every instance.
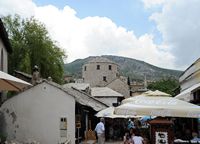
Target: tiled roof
(104, 92)
(79, 86)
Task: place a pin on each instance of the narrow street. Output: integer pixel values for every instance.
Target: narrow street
(114, 142)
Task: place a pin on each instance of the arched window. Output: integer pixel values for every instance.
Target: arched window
(2, 59)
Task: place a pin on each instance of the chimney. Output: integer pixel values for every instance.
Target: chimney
(49, 78)
(36, 75)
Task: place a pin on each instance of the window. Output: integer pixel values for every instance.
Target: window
(104, 78)
(196, 95)
(85, 68)
(110, 67)
(2, 59)
(63, 127)
(98, 67)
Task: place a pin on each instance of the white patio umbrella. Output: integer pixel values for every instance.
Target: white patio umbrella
(109, 113)
(158, 106)
(155, 93)
(11, 83)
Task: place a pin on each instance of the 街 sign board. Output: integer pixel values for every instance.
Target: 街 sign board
(161, 137)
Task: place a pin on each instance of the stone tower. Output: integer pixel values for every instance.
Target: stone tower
(100, 71)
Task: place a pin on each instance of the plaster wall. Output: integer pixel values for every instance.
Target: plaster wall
(108, 100)
(35, 115)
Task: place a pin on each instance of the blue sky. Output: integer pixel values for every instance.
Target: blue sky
(164, 33)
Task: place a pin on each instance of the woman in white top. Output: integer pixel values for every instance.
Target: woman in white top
(136, 138)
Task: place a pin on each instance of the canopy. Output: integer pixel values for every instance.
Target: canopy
(11, 83)
(109, 113)
(155, 93)
(157, 106)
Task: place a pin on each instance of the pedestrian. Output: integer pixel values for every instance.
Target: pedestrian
(195, 137)
(136, 138)
(127, 138)
(100, 130)
(130, 124)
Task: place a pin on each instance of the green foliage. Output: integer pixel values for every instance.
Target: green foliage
(165, 85)
(32, 45)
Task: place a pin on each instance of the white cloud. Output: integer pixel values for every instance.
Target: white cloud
(179, 24)
(24, 8)
(152, 3)
(97, 36)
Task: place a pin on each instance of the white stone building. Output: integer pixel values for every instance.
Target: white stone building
(106, 95)
(101, 72)
(190, 83)
(45, 113)
(120, 85)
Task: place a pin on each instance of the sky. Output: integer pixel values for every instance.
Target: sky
(165, 33)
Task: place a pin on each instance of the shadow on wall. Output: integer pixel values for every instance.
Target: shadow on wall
(2, 127)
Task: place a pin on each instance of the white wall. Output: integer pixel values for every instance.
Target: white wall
(194, 76)
(108, 100)
(38, 111)
(5, 56)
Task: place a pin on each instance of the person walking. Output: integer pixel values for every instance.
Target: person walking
(136, 138)
(100, 130)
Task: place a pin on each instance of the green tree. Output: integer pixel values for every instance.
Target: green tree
(32, 45)
(165, 85)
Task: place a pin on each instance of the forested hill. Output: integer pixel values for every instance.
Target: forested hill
(132, 68)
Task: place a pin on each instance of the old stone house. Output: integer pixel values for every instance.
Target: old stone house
(107, 95)
(47, 113)
(120, 85)
(101, 72)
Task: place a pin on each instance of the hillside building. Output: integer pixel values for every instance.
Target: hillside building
(101, 72)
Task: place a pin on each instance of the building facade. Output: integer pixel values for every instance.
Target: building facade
(107, 95)
(190, 83)
(99, 72)
(47, 113)
(5, 48)
(190, 76)
(42, 113)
